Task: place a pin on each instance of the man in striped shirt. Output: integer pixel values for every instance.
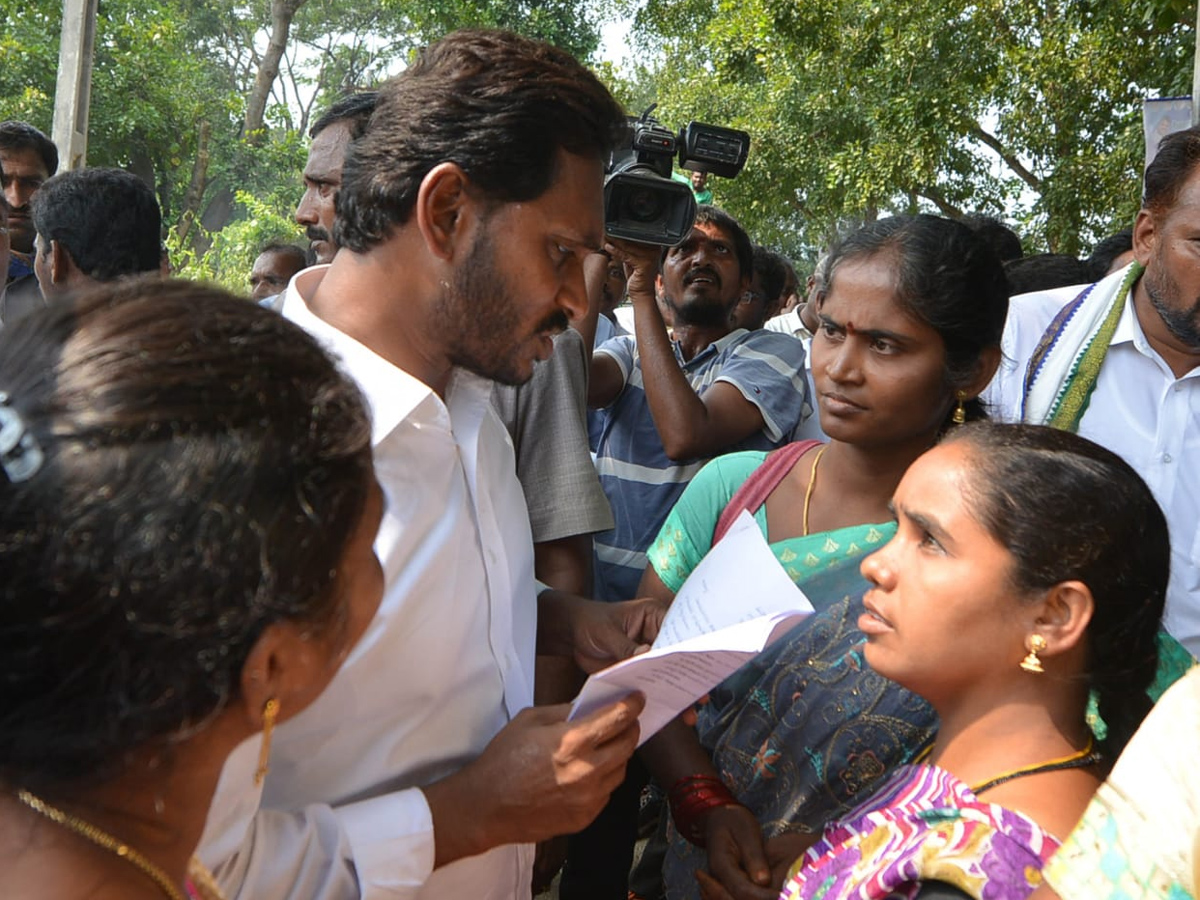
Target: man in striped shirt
(675, 402)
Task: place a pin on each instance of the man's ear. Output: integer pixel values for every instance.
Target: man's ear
(1145, 236)
(1063, 618)
(290, 663)
(62, 266)
(443, 208)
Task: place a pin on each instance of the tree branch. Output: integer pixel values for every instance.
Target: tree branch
(1010, 159)
(938, 199)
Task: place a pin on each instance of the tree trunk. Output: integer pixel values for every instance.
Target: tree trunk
(195, 191)
(282, 14)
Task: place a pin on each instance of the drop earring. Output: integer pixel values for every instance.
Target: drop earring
(269, 714)
(1031, 663)
(960, 411)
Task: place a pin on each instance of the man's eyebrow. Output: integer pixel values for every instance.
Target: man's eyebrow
(589, 243)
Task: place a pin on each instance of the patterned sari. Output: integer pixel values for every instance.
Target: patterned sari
(806, 730)
(923, 825)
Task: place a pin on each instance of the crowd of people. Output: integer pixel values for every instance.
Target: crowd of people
(296, 592)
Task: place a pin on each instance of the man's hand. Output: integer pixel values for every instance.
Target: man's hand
(641, 265)
(596, 634)
(541, 776)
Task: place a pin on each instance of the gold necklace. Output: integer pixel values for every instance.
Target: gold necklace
(100, 838)
(812, 481)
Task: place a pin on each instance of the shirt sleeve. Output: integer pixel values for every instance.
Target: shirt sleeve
(686, 536)
(318, 852)
(621, 349)
(768, 369)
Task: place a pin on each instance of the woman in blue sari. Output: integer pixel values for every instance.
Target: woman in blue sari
(911, 319)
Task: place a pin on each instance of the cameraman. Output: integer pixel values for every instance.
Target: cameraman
(674, 404)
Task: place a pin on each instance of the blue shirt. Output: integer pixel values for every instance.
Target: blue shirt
(642, 483)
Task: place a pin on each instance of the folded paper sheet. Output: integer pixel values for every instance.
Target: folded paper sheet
(736, 602)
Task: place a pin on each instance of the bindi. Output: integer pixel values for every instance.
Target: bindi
(849, 328)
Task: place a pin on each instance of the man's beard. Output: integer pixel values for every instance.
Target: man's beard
(1184, 324)
(479, 312)
(700, 315)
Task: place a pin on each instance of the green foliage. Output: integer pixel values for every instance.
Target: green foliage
(860, 107)
(169, 73)
(234, 248)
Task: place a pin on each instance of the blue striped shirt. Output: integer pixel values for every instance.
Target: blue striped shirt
(642, 483)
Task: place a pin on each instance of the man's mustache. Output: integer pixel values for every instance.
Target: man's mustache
(316, 233)
(555, 322)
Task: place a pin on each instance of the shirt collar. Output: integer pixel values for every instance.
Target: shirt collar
(712, 349)
(391, 393)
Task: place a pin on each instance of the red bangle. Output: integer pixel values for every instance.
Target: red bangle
(692, 798)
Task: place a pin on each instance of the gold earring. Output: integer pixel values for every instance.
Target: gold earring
(960, 412)
(1031, 663)
(269, 714)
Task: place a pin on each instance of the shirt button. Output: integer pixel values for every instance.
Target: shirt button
(1166, 457)
(1178, 386)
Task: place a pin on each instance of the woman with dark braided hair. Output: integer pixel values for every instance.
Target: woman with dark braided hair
(187, 512)
(910, 315)
(1028, 571)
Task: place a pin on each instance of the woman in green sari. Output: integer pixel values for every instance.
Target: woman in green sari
(911, 319)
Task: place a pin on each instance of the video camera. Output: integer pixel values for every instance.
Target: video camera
(641, 201)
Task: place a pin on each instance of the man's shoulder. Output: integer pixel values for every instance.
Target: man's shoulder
(786, 347)
(20, 298)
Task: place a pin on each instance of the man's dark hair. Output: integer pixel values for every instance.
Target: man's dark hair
(354, 109)
(742, 245)
(298, 254)
(498, 105)
(107, 219)
(1044, 272)
(23, 136)
(1107, 250)
(771, 270)
(1003, 240)
(1177, 156)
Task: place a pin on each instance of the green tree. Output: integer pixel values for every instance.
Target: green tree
(859, 107)
(210, 101)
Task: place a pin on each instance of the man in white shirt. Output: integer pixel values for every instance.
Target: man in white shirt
(465, 213)
(1138, 333)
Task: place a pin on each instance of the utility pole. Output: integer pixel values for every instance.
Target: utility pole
(73, 93)
(1196, 73)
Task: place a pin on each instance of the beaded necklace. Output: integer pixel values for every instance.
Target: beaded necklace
(1080, 759)
(199, 875)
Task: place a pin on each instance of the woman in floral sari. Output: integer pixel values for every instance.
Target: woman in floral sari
(911, 319)
(1028, 571)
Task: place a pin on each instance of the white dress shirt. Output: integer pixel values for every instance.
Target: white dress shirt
(445, 664)
(1141, 412)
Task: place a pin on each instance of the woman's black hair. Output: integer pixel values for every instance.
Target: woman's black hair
(1068, 509)
(947, 277)
(204, 467)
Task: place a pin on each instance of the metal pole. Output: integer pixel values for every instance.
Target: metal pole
(73, 93)
(1196, 73)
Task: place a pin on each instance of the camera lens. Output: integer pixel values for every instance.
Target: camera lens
(645, 204)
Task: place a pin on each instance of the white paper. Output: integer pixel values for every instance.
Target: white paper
(736, 602)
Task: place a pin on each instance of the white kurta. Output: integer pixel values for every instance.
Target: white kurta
(446, 663)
